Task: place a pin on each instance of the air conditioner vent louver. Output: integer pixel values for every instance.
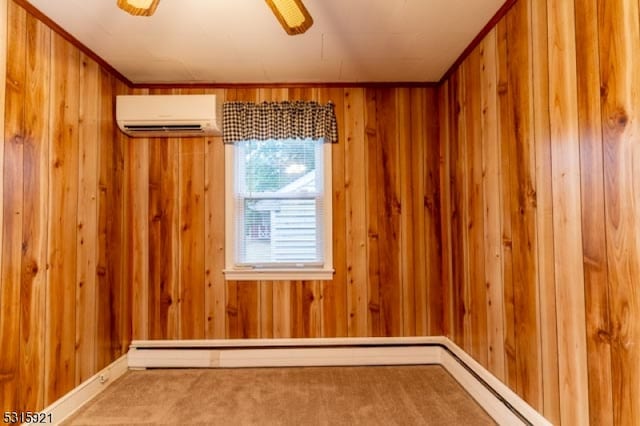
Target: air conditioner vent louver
(168, 115)
(164, 128)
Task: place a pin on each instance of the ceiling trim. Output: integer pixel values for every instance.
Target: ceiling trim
(71, 39)
(340, 84)
(476, 41)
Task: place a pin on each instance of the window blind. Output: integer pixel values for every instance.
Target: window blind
(278, 195)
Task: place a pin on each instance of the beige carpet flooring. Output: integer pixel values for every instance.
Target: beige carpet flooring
(389, 395)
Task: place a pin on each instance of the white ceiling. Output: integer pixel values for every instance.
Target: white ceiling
(240, 41)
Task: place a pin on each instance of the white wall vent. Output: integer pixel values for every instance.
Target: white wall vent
(169, 115)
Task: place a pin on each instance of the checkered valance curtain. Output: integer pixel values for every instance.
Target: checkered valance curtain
(278, 120)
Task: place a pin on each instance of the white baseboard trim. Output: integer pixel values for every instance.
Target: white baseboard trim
(502, 404)
(64, 407)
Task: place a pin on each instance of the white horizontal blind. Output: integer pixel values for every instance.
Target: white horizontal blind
(278, 196)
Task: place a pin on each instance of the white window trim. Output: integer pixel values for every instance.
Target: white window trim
(237, 273)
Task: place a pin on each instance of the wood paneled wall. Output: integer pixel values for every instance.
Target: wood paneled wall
(64, 310)
(541, 207)
(386, 224)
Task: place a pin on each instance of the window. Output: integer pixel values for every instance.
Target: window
(278, 209)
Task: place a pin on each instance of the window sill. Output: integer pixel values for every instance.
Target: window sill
(278, 274)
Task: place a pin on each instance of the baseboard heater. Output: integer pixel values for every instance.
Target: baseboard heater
(502, 404)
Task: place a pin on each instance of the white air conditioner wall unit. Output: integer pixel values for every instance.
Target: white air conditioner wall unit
(169, 115)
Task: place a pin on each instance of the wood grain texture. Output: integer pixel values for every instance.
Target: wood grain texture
(544, 210)
(594, 241)
(34, 257)
(424, 110)
(57, 311)
(492, 215)
(562, 160)
(136, 231)
(619, 46)
(12, 205)
(87, 221)
(63, 204)
(567, 221)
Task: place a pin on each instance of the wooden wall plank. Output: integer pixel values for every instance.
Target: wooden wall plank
(456, 191)
(137, 232)
(12, 205)
(414, 147)
(389, 211)
(492, 218)
(334, 292)
(445, 138)
(122, 294)
(109, 220)
(567, 231)
(191, 260)
(594, 241)
(355, 184)
(86, 243)
(544, 218)
(62, 229)
(431, 208)
(35, 187)
(214, 235)
(504, 120)
(164, 155)
(619, 42)
(521, 148)
(475, 208)
(408, 218)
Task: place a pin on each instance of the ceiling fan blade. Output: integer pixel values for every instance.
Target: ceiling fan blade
(292, 15)
(139, 7)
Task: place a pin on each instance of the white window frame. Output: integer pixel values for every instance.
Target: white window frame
(235, 272)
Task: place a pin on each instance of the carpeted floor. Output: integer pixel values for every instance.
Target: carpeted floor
(398, 395)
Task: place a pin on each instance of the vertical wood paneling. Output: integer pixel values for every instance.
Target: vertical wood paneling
(567, 231)
(563, 152)
(445, 115)
(214, 236)
(475, 210)
(86, 243)
(414, 147)
(110, 229)
(334, 293)
(504, 120)
(544, 218)
(428, 206)
(389, 209)
(619, 42)
(191, 205)
(163, 238)
(59, 206)
(491, 181)
(34, 256)
(456, 194)
(12, 205)
(122, 308)
(355, 195)
(521, 147)
(136, 201)
(408, 219)
(594, 242)
(62, 231)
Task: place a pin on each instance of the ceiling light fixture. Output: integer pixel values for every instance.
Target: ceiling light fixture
(139, 7)
(292, 14)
